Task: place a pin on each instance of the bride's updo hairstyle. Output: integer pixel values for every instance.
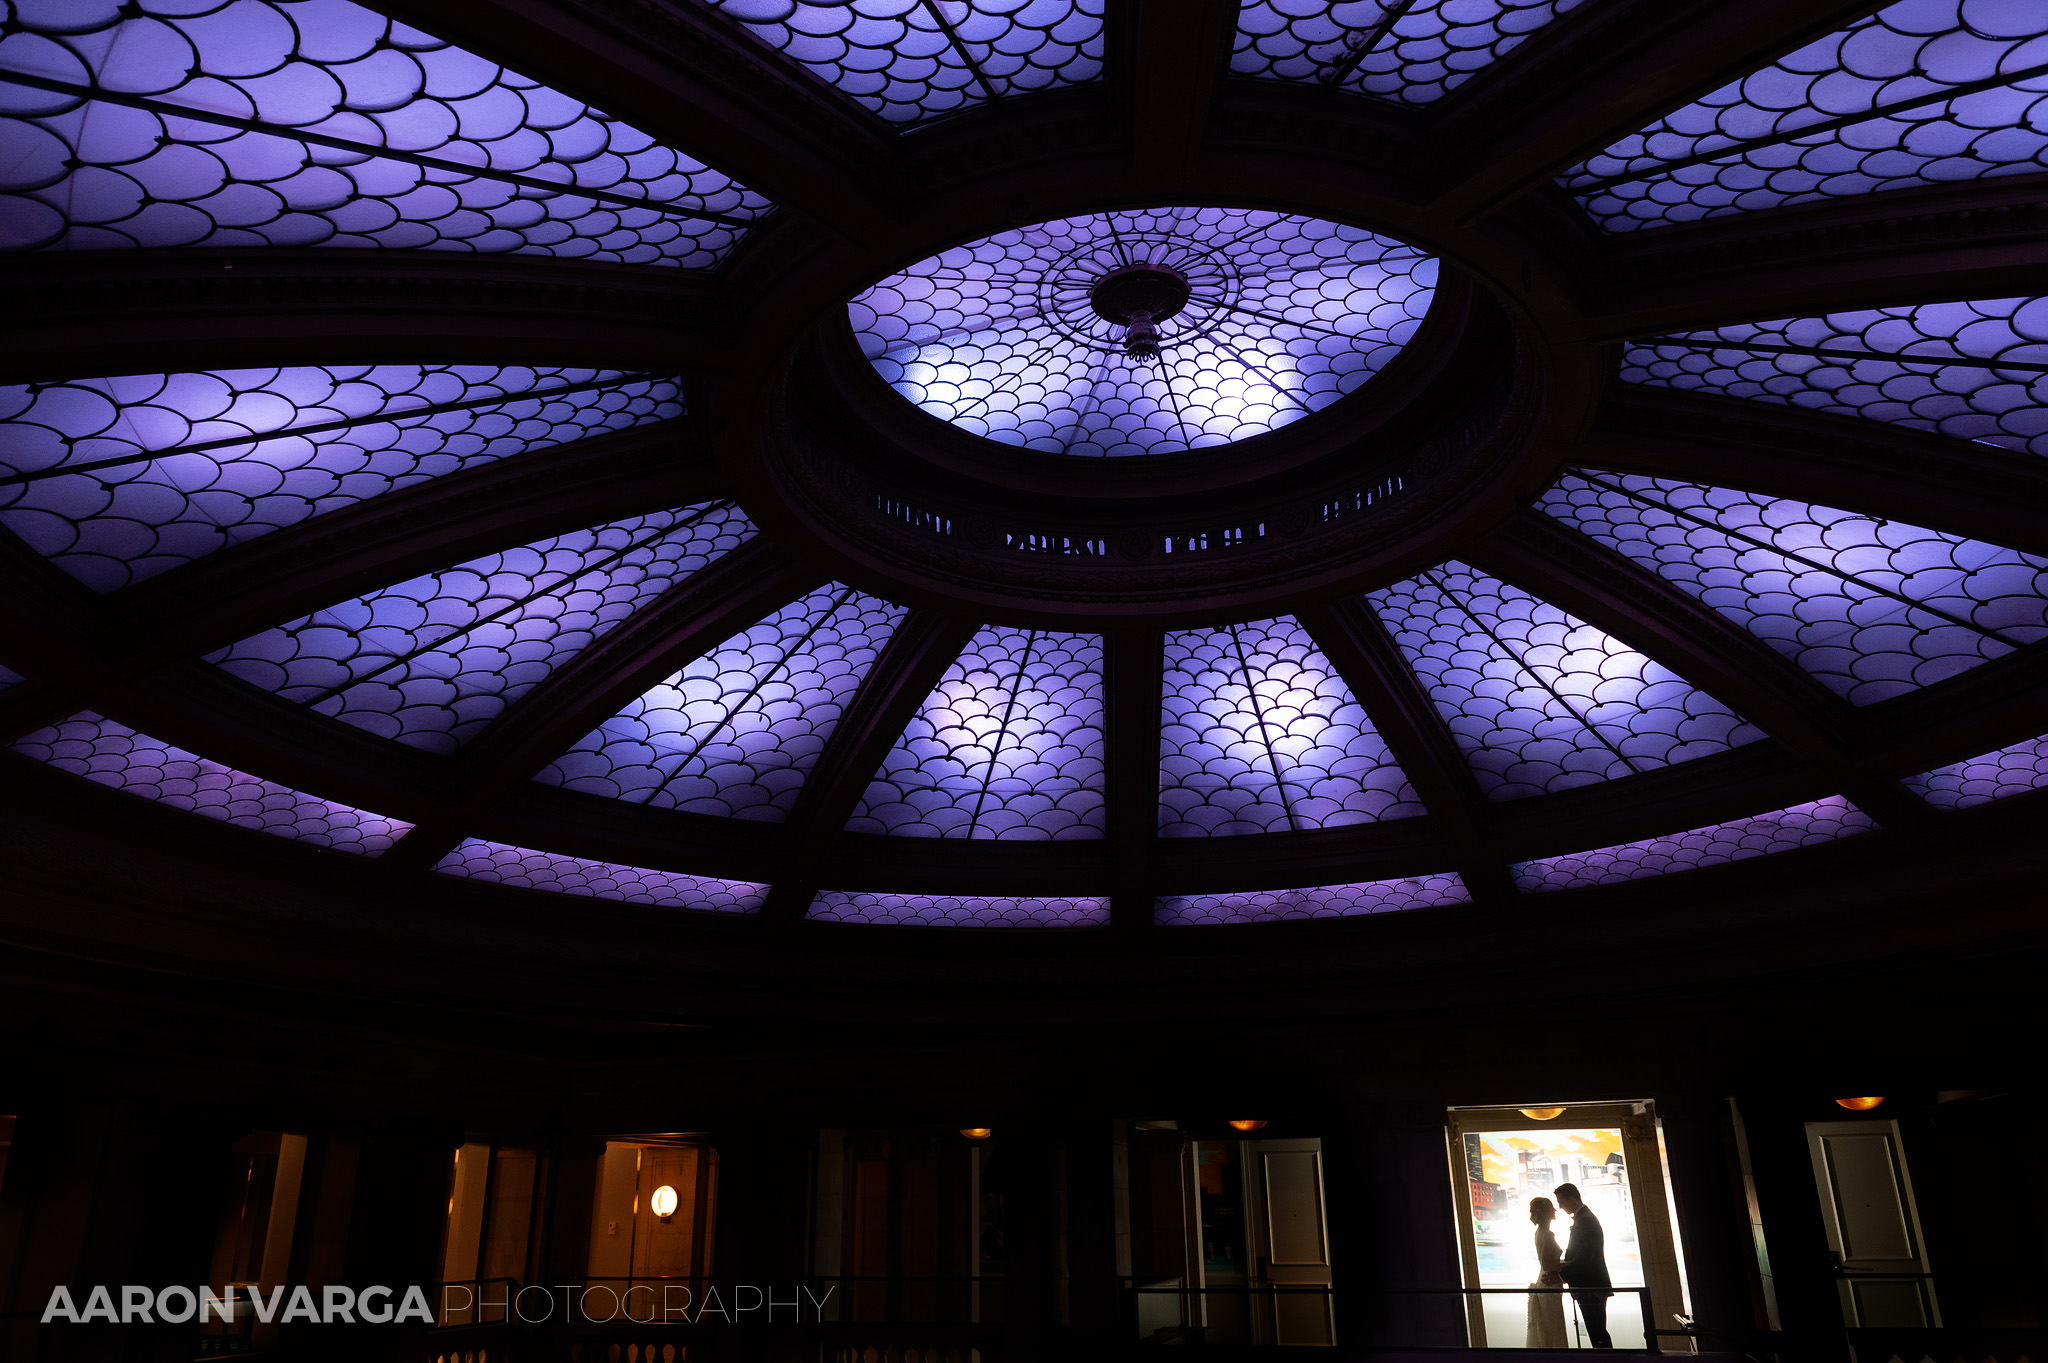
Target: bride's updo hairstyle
(1541, 1211)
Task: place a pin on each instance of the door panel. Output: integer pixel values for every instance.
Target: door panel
(1866, 1201)
(1293, 1243)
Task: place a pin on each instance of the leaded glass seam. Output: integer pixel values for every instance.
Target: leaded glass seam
(230, 123)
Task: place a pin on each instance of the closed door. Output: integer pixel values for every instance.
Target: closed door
(1873, 1229)
(1292, 1238)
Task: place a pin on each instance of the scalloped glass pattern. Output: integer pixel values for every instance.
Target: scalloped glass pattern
(959, 911)
(1319, 901)
(1258, 734)
(119, 479)
(1414, 51)
(1285, 315)
(112, 754)
(736, 731)
(1781, 830)
(429, 662)
(1009, 745)
(1538, 700)
(1922, 92)
(915, 60)
(1974, 370)
(1996, 775)
(528, 869)
(1872, 608)
(250, 123)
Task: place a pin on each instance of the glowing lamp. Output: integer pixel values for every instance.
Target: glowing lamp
(1858, 1104)
(977, 1133)
(1247, 1126)
(1541, 1114)
(663, 1202)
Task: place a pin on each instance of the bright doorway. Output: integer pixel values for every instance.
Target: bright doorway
(1502, 1158)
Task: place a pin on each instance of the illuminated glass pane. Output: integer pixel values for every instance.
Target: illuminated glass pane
(1996, 775)
(1008, 746)
(1539, 700)
(1414, 51)
(119, 479)
(736, 731)
(1976, 370)
(1922, 92)
(429, 662)
(476, 859)
(959, 911)
(1320, 901)
(112, 754)
(320, 123)
(1258, 734)
(1283, 315)
(1737, 840)
(914, 60)
(1872, 608)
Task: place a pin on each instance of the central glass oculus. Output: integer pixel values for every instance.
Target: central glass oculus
(1144, 331)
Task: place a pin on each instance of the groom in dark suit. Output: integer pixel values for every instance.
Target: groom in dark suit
(1585, 1265)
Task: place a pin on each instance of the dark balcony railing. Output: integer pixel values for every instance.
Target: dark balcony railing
(1415, 1318)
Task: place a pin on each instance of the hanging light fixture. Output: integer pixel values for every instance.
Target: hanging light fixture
(1858, 1104)
(977, 1133)
(1247, 1126)
(1541, 1114)
(663, 1203)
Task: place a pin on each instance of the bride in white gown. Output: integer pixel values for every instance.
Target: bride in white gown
(1546, 1309)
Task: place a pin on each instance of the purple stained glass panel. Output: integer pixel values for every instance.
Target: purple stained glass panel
(1318, 901)
(119, 479)
(1414, 51)
(112, 754)
(429, 662)
(1872, 608)
(1996, 775)
(1258, 734)
(1539, 700)
(1922, 92)
(528, 869)
(1008, 746)
(1939, 367)
(959, 911)
(736, 731)
(1781, 830)
(1283, 316)
(915, 60)
(250, 123)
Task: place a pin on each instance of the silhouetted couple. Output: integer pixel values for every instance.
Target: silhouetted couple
(1582, 1266)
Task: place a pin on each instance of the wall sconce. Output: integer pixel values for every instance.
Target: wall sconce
(977, 1133)
(1541, 1114)
(663, 1203)
(1858, 1104)
(1247, 1126)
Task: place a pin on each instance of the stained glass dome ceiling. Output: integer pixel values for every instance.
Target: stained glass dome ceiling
(495, 596)
(1144, 332)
